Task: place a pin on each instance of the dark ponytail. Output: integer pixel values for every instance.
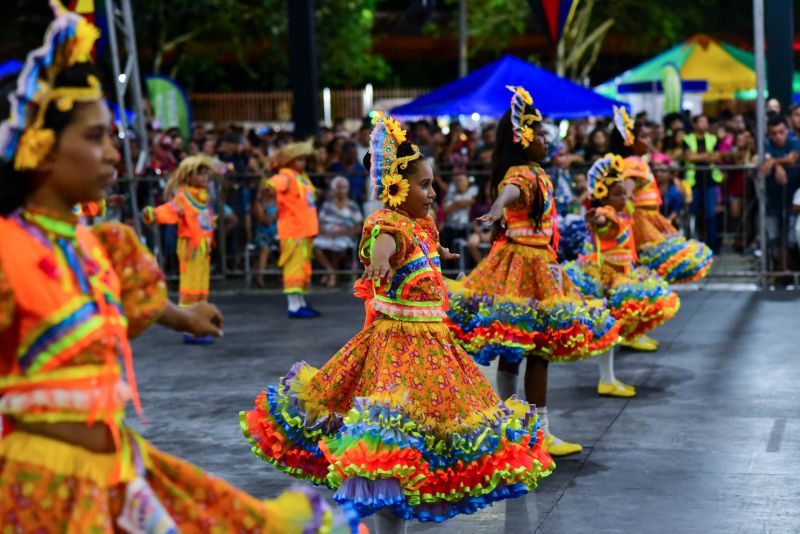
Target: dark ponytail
(509, 154)
(15, 186)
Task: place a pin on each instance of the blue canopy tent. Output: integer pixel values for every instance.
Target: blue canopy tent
(484, 91)
(10, 68)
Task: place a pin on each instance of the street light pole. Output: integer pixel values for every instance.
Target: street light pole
(761, 124)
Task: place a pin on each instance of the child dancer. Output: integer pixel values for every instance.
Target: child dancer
(639, 299)
(191, 210)
(659, 244)
(400, 421)
(297, 225)
(516, 304)
(70, 299)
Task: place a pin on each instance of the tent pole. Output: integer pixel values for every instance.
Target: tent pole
(462, 38)
(761, 124)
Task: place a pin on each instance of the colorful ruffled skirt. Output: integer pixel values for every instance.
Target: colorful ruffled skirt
(400, 418)
(517, 303)
(663, 249)
(49, 486)
(639, 300)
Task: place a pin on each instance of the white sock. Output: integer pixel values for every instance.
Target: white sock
(605, 363)
(388, 523)
(506, 384)
(302, 300)
(544, 424)
(294, 302)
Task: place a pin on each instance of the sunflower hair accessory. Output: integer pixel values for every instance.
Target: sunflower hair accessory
(69, 40)
(521, 122)
(624, 124)
(388, 184)
(605, 172)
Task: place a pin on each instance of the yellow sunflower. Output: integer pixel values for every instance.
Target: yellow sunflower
(527, 136)
(395, 190)
(395, 130)
(617, 163)
(600, 190)
(525, 95)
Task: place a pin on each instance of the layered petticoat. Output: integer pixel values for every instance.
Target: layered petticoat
(400, 418)
(639, 300)
(517, 303)
(50, 486)
(662, 249)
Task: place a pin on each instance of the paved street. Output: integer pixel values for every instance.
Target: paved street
(711, 444)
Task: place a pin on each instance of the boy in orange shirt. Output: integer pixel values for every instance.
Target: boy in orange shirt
(297, 224)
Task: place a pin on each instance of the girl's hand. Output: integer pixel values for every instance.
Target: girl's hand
(494, 215)
(204, 319)
(446, 255)
(594, 219)
(377, 271)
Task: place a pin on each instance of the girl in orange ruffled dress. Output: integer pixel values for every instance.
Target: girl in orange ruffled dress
(190, 209)
(400, 421)
(71, 298)
(638, 298)
(516, 304)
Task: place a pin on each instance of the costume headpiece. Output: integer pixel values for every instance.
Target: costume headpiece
(69, 40)
(605, 172)
(624, 124)
(522, 122)
(388, 184)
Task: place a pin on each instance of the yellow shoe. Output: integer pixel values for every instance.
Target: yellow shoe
(617, 389)
(564, 448)
(642, 344)
(655, 342)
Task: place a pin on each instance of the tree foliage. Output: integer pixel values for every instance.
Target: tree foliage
(217, 44)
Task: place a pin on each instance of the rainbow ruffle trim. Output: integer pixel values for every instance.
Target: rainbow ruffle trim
(385, 454)
(641, 303)
(676, 259)
(558, 330)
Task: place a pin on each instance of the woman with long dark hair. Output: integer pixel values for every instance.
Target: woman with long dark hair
(71, 297)
(516, 304)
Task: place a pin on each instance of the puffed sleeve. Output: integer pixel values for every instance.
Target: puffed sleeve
(143, 292)
(524, 178)
(164, 214)
(6, 301)
(385, 221)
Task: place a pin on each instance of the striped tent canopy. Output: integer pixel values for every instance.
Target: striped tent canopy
(728, 70)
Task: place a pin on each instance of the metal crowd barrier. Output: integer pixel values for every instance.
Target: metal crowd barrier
(745, 254)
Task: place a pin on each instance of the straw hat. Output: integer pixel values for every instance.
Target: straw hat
(291, 152)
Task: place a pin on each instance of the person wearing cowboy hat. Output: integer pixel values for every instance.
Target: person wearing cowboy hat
(297, 224)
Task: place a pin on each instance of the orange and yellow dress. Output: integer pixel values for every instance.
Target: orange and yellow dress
(70, 299)
(659, 245)
(516, 302)
(639, 298)
(401, 417)
(297, 226)
(191, 210)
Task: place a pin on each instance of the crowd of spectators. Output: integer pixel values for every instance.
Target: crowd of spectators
(702, 164)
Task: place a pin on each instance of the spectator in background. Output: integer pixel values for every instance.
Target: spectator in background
(423, 136)
(794, 121)
(457, 204)
(667, 175)
(782, 182)
(481, 232)
(742, 153)
(339, 223)
(597, 146)
(363, 141)
(265, 213)
(700, 149)
(334, 149)
(483, 154)
(352, 169)
(458, 151)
